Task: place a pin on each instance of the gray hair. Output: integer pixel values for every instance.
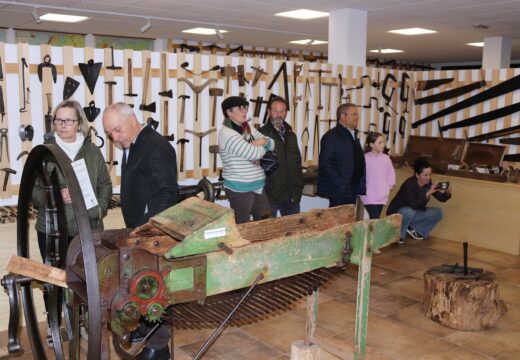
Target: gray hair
(343, 108)
(124, 110)
(74, 105)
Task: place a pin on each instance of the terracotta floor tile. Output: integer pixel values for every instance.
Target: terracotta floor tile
(281, 331)
(184, 337)
(410, 287)
(322, 297)
(341, 347)
(339, 286)
(495, 257)
(383, 302)
(334, 315)
(235, 345)
(413, 316)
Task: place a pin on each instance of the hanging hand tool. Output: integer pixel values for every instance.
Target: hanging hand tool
(316, 137)
(170, 137)
(271, 97)
(70, 87)
(450, 94)
(282, 69)
(259, 101)
(1, 70)
(164, 77)
(329, 85)
(113, 67)
(369, 105)
(101, 140)
(495, 91)
(2, 106)
(91, 111)
(215, 92)
(341, 90)
(307, 92)
(48, 116)
(374, 84)
(305, 143)
(47, 64)
(319, 72)
(296, 99)
(22, 154)
(183, 106)
(258, 74)
(182, 142)
(197, 89)
(24, 89)
(7, 171)
(387, 117)
(152, 122)
(388, 97)
(26, 132)
(147, 74)
(495, 134)
(185, 65)
(424, 85)
(241, 76)
(403, 95)
(4, 139)
(90, 72)
(129, 74)
(214, 149)
(227, 71)
(200, 135)
(402, 126)
(510, 141)
(110, 84)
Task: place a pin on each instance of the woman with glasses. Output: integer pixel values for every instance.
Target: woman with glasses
(241, 147)
(71, 135)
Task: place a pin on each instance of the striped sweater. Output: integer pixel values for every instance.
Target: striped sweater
(241, 170)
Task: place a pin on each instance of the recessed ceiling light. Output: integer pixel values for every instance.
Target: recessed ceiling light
(477, 44)
(386, 51)
(63, 18)
(203, 31)
(308, 42)
(303, 14)
(413, 31)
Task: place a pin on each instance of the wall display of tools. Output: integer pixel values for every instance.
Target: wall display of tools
(180, 93)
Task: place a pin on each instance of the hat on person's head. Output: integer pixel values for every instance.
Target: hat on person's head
(233, 101)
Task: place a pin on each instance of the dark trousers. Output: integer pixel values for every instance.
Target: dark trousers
(374, 211)
(286, 208)
(248, 203)
(342, 200)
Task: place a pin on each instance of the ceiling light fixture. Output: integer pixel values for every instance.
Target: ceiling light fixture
(303, 14)
(146, 26)
(308, 42)
(477, 44)
(386, 51)
(35, 16)
(204, 31)
(63, 18)
(413, 31)
(219, 33)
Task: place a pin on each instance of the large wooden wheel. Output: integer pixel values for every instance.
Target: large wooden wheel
(36, 167)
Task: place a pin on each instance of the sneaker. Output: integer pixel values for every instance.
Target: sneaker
(414, 234)
(401, 241)
(376, 252)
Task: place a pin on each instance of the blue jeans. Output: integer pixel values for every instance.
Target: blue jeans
(287, 208)
(422, 221)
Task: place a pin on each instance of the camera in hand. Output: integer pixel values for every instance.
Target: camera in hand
(443, 185)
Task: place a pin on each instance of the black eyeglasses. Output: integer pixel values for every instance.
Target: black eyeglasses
(68, 122)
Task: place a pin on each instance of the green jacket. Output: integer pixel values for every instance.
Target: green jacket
(287, 181)
(99, 179)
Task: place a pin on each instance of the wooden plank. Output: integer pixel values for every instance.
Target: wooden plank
(37, 270)
(181, 120)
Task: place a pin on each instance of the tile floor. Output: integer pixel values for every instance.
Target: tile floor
(396, 329)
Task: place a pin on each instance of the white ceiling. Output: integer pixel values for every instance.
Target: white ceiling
(251, 22)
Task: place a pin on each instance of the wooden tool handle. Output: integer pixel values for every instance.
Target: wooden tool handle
(146, 79)
(129, 70)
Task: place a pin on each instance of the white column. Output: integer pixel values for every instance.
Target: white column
(90, 41)
(160, 45)
(348, 37)
(10, 36)
(497, 53)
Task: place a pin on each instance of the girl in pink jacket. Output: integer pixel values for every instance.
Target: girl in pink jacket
(380, 175)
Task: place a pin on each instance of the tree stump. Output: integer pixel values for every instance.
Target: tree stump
(462, 304)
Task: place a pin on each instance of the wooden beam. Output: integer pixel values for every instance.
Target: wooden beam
(36, 270)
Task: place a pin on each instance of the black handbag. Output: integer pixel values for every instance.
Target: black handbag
(269, 162)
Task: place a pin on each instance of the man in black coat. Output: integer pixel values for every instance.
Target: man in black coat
(284, 187)
(341, 172)
(148, 186)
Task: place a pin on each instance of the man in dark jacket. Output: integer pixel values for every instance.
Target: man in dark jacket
(148, 186)
(412, 198)
(341, 172)
(284, 187)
